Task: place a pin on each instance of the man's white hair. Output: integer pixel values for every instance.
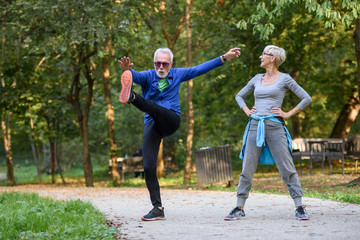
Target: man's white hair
(164, 50)
(278, 52)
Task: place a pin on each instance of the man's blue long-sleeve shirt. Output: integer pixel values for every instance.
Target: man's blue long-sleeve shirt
(169, 97)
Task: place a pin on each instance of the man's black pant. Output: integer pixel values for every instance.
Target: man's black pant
(165, 123)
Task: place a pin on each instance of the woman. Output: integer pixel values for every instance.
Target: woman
(266, 129)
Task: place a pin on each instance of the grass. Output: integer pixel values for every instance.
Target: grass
(29, 216)
(27, 174)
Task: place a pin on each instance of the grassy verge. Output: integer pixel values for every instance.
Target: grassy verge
(28, 175)
(29, 216)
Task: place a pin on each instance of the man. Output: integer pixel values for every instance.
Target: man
(160, 102)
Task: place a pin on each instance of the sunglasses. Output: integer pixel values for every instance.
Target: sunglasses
(264, 53)
(164, 64)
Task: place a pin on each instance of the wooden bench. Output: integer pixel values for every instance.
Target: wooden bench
(319, 149)
(128, 164)
(352, 149)
(135, 164)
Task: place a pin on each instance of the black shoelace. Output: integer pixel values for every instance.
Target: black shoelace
(301, 210)
(235, 210)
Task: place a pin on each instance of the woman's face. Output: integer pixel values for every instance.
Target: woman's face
(266, 59)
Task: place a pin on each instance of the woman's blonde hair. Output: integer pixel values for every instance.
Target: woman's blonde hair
(278, 52)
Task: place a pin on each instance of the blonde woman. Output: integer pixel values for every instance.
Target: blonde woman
(266, 136)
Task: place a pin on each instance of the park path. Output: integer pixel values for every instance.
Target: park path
(193, 214)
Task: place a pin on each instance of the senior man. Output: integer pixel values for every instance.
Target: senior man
(160, 103)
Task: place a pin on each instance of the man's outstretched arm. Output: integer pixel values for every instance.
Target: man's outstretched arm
(192, 72)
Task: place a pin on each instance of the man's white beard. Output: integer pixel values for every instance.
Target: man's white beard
(163, 75)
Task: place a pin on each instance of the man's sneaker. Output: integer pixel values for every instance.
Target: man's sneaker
(126, 87)
(154, 214)
(235, 214)
(300, 213)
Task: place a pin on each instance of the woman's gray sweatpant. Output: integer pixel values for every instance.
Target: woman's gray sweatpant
(276, 138)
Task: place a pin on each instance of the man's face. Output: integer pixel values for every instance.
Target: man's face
(162, 59)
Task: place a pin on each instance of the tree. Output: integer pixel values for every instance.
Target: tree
(331, 13)
(82, 32)
(190, 121)
(6, 98)
(347, 116)
(110, 119)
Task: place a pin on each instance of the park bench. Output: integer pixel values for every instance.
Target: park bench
(128, 164)
(319, 149)
(135, 164)
(352, 149)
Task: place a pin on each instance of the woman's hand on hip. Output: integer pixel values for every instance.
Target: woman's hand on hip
(248, 112)
(279, 113)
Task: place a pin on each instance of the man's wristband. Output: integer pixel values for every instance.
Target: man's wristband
(223, 57)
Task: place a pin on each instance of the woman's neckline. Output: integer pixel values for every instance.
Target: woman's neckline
(270, 83)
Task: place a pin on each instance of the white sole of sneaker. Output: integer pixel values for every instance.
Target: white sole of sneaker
(234, 219)
(152, 219)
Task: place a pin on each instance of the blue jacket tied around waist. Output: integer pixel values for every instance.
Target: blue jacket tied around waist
(265, 157)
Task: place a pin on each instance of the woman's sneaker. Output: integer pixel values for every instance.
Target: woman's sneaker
(154, 214)
(126, 87)
(235, 214)
(300, 213)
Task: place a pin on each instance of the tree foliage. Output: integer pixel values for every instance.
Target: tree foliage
(45, 39)
(332, 13)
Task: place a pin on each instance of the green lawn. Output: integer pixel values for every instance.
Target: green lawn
(29, 216)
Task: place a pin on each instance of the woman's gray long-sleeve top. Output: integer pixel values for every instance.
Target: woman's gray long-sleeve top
(272, 96)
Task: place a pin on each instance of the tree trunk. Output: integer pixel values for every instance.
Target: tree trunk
(357, 52)
(6, 132)
(35, 148)
(357, 49)
(87, 166)
(88, 170)
(347, 116)
(52, 154)
(53, 129)
(57, 156)
(110, 117)
(6, 124)
(74, 99)
(160, 173)
(190, 131)
(36, 155)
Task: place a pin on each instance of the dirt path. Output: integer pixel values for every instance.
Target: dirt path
(199, 214)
